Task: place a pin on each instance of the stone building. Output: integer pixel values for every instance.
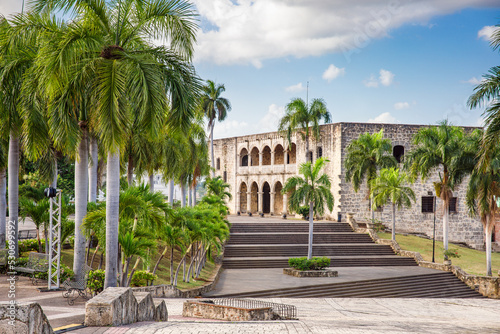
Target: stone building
(257, 166)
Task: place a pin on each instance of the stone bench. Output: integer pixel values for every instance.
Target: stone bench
(121, 306)
(23, 318)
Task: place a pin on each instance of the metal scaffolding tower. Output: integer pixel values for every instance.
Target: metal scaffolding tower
(54, 241)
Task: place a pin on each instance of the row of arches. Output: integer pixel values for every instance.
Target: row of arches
(267, 199)
(268, 157)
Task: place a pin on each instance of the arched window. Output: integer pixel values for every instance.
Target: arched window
(218, 163)
(244, 161)
(398, 152)
(319, 152)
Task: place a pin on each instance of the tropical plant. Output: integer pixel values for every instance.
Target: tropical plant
(304, 119)
(108, 52)
(217, 187)
(487, 93)
(442, 147)
(364, 157)
(391, 186)
(483, 192)
(303, 263)
(314, 189)
(214, 106)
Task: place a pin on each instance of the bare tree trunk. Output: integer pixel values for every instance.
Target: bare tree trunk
(152, 183)
(171, 265)
(171, 192)
(112, 206)
(3, 206)
(487, 231)
(133, 271)
(307, 150)
(54, 179)
(159, 259)
(130, 170)
(179, 265)
(93, 256)
(445, 226)
(212, 149)
(93, 163)
(13, 180)
(101, 260)
(81, 188)
(190, 199)
(393, 221)
(183, 195)
(311, 229)
(125, 271)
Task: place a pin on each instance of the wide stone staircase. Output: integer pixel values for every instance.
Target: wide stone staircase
(269, 245)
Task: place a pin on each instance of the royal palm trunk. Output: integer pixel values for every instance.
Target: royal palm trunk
(311, 228)
(81, 188)
(3, 205)
(112, 210)
(94, 156)
(13, 168)
(393, 221)
(212, 148)
(171, 192)
(151, 183)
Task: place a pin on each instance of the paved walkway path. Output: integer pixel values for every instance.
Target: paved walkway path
(341, 315)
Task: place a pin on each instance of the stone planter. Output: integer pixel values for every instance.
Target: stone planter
(447, 262)
(310, 273)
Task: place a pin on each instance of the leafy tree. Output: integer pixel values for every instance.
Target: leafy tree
(365, 156)
(108, 51)
(217, 186)
(391, 186)
(214, 106)
(483, 192)
(304, 119)
(443, 147)
(314, 189)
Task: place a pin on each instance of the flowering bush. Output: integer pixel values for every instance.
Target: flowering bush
(451, 253)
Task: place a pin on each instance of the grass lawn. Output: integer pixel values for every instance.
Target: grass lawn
(471, 260)
(163, 270)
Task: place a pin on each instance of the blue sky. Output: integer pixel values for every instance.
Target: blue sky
(391, 61)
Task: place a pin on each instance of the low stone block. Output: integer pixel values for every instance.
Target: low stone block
(200, 309)
(145, 306)
(161, 312)
(112, 307)
(23, 318)
(310, 273)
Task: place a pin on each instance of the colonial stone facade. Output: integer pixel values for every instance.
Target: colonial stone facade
(257, 166)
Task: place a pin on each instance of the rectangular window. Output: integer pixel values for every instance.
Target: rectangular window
(427, 204)
(225, 176)
(452, 207)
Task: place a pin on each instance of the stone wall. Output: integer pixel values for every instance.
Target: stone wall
(23, 318)
(207, 310)
(333, 143)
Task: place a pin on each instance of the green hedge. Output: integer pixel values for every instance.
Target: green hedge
(142, 278)
(315, 263)
(96, 281)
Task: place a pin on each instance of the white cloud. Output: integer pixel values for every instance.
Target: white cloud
(251, 31)
(372, 82)
(271, 119)
(401, 105)
(472, 81)
(486, 32)
(332, 72)
(386, 77)
(295, 88)
(229, 128)
(384, 118)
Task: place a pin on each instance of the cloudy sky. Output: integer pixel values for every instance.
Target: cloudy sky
(391, 61)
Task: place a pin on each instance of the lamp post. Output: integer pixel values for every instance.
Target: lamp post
(434, 229)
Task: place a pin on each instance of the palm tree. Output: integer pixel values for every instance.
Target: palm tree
(108, 51)
(487, 93)
(483, 192)
(365, 156)
(217, 187)
(390, 186)
(441, 147)
(3, 190)
(313, 189)
(214, 106)
(304, 119)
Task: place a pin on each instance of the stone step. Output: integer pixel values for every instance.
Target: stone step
(263, 250)
(288, 227)
(297, 238)
(438, 285)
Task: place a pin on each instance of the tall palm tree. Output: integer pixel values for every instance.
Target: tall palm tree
(217, 187)
(439, 147)
(391, 186)
(364, 157)
(214, 106)
(483, 192)
(313, 189)
(109, 50)
(3, 190)
(487, 93)
(304, 119)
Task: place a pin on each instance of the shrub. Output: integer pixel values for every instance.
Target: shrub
(28, 245)
(451, 253)
(304, 212)
(142, 278)
(65, 273)
(302, 263)
(96, 281)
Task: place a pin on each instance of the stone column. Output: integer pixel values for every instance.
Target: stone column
(238, 163)
(261, 154)
(285, 203)
(272, 160)
(285, 157)
(249, 200)
(260, 200)
(238, 200)
(272, 203)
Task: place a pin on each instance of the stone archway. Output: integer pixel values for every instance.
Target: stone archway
(266, 156)
(244, 157)
(278, 198)
(254, 157)
(292, 154)
(254, 204)
(243, 197)
(266, 198)
(279, 155)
